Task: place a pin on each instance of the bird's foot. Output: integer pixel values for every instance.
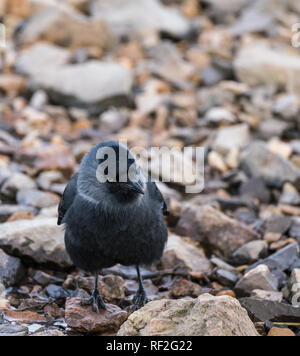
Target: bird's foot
(140, 299)
(95, 301)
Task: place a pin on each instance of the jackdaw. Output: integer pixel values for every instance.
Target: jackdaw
(112, 220)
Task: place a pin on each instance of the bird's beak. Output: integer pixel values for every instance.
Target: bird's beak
(136, 187)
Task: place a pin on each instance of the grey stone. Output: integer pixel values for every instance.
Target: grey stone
(38, 240)
(226, 278)
(232, 138)
(13, 330)
(258, 161)
(135, 18)
(265, 310)
(6, 210)
(15, 183)
(258, 278)
(258, 65)
(251, 252)
(180, 252)
(287, 106)
(45, 279)
(292, 288)
(37, 198)
(11, 269)
(267, 295)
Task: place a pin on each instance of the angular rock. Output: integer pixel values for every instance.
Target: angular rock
(255, 188)
(75, 85)
(292, 288)
(44, 279)
(62, 25)
(265, 310)
(10, 210)
(258, 278)
(204, 316)
(180, 252)
(37, 198)
(15, 183)
(226, 278)
(287, 106)
(258, 65)
(11, 270)
(214, 230)
(24, 317)
(185, 288)
(281, 332)
(267, 295)
(13, 330)
(258, 161)
(231, 138)
(39, 240)
(132, 18)
(282, 260)
(251, 252)
(111, 287)
(84, 320)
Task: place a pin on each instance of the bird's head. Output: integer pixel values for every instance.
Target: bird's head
(117, 168)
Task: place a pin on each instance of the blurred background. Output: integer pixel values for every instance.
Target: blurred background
(224, 75)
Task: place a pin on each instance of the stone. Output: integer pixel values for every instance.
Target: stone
(15, 183)
(48, 157)
(232, 137)
(287, 106)
(44, 279)
(258, 278)
(136, 18)
(46, 179)
(180, 252)
(258, 65)
(292, 288)
(84, 320)
(282, 260)
(258, 161)
(11, 270)
(24, 317)
(13, 330)
(184, 288)
(57, 293)
(290, 195)
(62, 25)
(48, 333)
(75, 85)
(295, 228)
(38, 240)
(251, 252)
(204, 316)
(214, 230)
(219, 115)
(255, 188)
(9, 210)
(281, 332)
(167, 62)
(266, 310)
(37, 198)
(267, 295)
(226, 278)
(270, 128)
(111, 287)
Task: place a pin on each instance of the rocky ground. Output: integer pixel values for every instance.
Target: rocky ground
(217, 74)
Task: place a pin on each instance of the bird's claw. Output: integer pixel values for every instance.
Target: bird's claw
(95, 301)
(140, 300)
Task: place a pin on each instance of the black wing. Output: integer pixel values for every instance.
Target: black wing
(67, 198)
(160, 197)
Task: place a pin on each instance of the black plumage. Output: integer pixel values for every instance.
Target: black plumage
(112, 222)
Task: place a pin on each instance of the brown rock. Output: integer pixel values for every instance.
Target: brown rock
(84, 320)
(229, 293)
(111, 287)
(21, 215)
(24, 317)
(185, 288)
(11, 84)
(280, 332)
(214, 230)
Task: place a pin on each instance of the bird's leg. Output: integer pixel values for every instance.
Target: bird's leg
(96, 299)
(140, 297)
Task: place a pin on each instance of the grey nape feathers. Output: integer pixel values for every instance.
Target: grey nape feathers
(112, 222)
